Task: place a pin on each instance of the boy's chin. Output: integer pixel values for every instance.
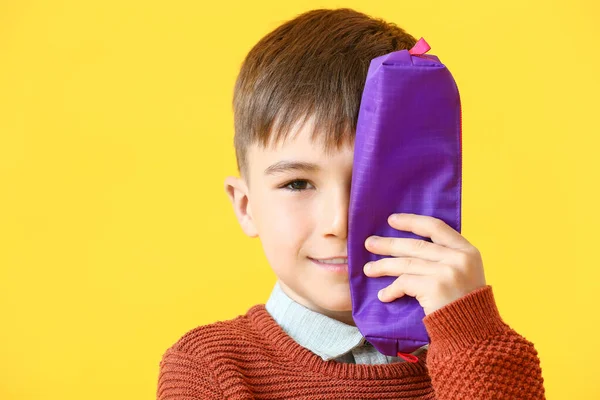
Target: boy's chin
(340, 303)
(338, 298)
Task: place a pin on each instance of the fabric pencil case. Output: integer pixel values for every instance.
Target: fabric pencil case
(407, 159)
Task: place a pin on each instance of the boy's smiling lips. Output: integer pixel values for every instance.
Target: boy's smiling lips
(331, 267)
(327, 258)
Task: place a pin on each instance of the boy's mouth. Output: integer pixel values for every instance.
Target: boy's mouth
(336, 264)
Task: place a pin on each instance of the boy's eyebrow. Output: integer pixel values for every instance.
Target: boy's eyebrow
(284, 166)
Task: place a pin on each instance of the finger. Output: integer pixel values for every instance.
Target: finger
(398, 266)
(410, 285)
(436, 229)
(407, 247)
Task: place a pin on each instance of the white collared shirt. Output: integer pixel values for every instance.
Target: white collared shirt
(325, 336)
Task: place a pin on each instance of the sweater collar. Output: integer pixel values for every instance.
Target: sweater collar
(323, 335)
(292, 355)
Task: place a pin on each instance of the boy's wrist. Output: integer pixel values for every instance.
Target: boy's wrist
(468, 320)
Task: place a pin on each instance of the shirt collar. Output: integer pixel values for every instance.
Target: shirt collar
(323, 335)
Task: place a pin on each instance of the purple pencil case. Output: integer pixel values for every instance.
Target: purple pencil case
(407, 159)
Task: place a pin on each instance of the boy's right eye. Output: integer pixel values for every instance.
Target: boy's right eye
(297, 185)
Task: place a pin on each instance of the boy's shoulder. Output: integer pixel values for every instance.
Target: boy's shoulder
(216, 339)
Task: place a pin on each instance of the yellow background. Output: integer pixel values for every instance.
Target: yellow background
(116, 130)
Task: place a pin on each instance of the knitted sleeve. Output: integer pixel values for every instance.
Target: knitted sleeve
(473, 354)
(182, 376)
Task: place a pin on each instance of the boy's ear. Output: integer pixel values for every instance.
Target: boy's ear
(237, 191)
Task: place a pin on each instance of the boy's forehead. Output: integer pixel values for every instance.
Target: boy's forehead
(297, 148)
(299, 157)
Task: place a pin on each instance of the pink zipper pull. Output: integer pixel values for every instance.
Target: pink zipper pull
(409, 357)
(420, 48)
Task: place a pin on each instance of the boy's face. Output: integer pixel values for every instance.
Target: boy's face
(297, 227)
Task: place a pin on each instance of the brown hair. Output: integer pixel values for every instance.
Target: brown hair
(314, 65)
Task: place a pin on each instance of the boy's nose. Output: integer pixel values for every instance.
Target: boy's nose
(335, 216)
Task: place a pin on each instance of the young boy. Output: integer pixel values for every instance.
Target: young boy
(295, 105)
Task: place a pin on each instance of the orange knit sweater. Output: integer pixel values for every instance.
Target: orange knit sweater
(473, 354)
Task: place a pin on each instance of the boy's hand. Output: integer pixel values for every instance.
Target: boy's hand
(437, 273)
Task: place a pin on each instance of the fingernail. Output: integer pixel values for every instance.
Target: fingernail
(380, 294)
(368, 266)
(371, 241)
